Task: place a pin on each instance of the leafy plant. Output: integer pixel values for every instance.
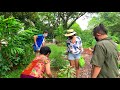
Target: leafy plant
(66, 72)
(15, 44)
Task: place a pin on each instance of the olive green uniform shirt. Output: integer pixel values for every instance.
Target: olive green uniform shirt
(105, 55)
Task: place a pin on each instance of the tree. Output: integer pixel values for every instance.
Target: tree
(69, 18)
(15, 43)
(26, 17)
(46, 20)
(111, 21)
(53, 20)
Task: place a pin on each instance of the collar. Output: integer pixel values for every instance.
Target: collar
(108, 38)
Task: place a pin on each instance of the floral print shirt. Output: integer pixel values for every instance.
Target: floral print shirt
(74, 48)
(37, 67)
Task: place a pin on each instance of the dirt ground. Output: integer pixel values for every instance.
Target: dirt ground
(54, 72)
(86, 71)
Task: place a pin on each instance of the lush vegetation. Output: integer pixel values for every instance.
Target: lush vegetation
(17, 30)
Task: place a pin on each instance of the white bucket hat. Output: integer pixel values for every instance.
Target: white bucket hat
(70, 32)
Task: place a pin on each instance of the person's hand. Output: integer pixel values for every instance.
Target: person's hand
(38, 48)
(81, 49)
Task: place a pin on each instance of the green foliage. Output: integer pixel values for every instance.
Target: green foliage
(115, 39)
(4, 65)
(15, 73)
(45, 20)
(28, 18)
(87, 39)
(17, 45)
(93, 22)
(77, 28)
(59, 34)
(9, 27)
(118, 46)
(66, 72)
(119, 66)
(110, 20)
(56, 56)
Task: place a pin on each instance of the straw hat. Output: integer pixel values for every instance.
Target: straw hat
(70, 32)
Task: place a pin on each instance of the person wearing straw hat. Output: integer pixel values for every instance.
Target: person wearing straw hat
(74, 49)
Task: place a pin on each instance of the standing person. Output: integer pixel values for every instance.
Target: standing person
(74, 49)
(40, 66)
(105, 55)
(39, 41)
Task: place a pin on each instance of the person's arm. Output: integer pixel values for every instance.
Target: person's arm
(81, 47)
(35, 38)
(43, 43)
(97, 60)
(95, 71)
(48, 70)
(73, 39)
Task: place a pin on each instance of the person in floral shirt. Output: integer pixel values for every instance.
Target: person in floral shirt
(74, 49)
(40, 66)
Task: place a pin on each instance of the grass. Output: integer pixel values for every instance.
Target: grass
(56, 56)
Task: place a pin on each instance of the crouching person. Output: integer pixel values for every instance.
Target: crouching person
(40, 66)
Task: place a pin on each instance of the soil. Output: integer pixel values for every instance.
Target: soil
(86, 71)
(54, 72)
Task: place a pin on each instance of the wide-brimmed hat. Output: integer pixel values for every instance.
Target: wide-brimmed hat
(70, 32)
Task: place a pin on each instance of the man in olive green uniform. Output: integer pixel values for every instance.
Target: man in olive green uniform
(105, 55)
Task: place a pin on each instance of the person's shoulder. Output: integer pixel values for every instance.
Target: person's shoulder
(40, 34)
(78, 37)
(99, 42)
(46, 59)
(68, 40)
(102, 43)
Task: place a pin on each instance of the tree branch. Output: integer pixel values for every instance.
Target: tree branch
(75, 20)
